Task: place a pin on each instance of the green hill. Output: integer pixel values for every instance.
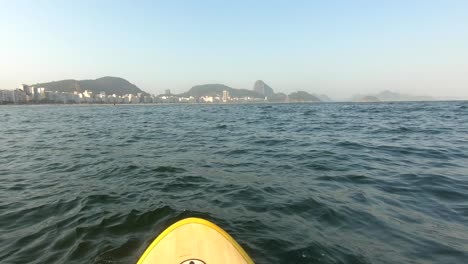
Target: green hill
(278, 98)
(109, 85)
(217, 90)
(302, 96)
(67, 86)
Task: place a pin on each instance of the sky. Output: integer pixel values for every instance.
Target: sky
(333, 47)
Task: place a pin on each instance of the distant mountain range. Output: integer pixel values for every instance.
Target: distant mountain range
(110, 85)
(120, 86)
(260, 90)
(217, 90)
(389, 96)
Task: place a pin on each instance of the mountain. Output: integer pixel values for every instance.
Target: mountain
(217, 90)
(302, 96)
(393, 96)
(368, 99)
(67, 86)
(262, 88)
(389, 96)
(109, 85)
(323, 97)
(278, 98)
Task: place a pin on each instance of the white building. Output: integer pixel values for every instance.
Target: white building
(147, 99)
(206, 99)
(12, 96)
(101, 98)
(190, 99)
(226, 96)
(127, 98)
(135, 99)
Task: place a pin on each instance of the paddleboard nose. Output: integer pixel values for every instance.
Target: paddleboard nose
(193, 261)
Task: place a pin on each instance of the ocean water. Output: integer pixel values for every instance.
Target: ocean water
(293, 183)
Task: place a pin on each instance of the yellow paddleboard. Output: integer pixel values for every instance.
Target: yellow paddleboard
(194, 241)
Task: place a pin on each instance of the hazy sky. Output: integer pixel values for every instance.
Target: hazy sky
(338, 48)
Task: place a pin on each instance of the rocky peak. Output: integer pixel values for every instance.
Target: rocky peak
(262, 88)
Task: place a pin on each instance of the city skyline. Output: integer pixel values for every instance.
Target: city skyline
(334, 48)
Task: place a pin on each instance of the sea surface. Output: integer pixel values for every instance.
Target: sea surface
(293, 183)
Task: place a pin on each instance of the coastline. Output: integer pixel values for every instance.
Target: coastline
(247, 103)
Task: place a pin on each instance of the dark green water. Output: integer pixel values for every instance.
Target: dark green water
(306, 183)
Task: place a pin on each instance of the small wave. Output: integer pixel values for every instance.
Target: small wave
(350, 144)
(270, 142)
(168, 169)
(96, 199)
(237, 152)
(322, 253)
(355, 179)
(38, 213)
(266, 107)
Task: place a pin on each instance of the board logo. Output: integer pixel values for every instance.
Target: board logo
(193, 261)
